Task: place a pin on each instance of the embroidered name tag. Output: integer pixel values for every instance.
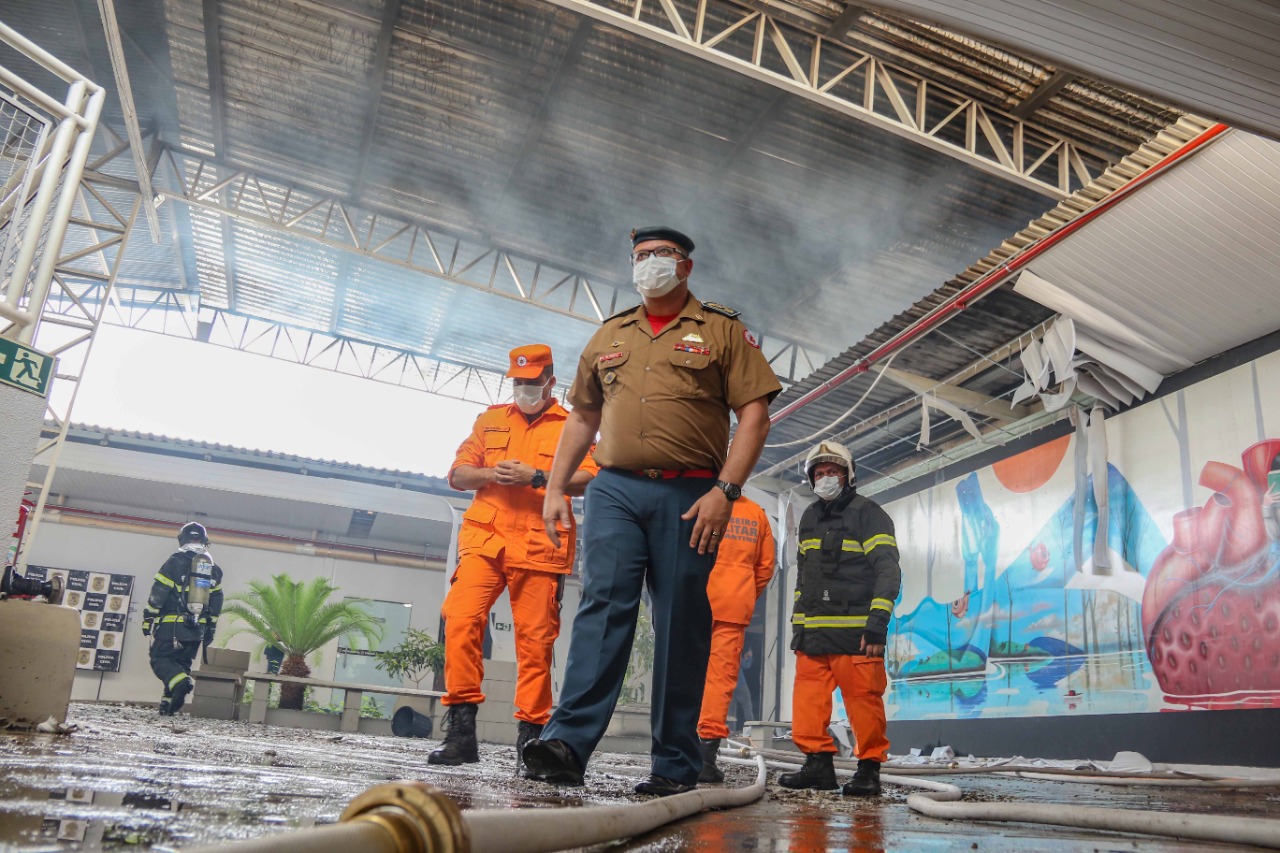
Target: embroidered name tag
(693, 349)
(610, 356)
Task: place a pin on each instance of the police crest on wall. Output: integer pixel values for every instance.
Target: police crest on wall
(103, 601)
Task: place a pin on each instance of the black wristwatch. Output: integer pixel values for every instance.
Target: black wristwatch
(731, 491)
(539, 479)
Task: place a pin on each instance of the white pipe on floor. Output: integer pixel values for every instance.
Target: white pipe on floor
(1028, 771)
(1259, 832)
(500, 830)
(939, 800)
(545, 830)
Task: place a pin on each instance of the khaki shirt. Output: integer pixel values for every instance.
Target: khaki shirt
(665, 401)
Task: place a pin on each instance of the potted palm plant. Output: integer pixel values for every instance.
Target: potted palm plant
(298, 619)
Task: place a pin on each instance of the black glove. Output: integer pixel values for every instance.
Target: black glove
(208, 637)
(871, 638)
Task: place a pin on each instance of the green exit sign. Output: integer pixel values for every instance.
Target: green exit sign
(25, 368)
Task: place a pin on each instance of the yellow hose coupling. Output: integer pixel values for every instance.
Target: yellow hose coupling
(418, 817)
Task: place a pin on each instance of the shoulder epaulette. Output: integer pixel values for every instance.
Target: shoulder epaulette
(721, 309)
(624, 312)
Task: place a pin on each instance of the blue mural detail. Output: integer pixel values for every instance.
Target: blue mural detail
(1024, 626)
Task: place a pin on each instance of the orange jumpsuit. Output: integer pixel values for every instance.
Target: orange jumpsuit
(744, 566)
(503, 544)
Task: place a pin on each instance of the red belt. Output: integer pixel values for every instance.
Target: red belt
(671, 474)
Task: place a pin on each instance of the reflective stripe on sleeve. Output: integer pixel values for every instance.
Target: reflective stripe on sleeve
(882, 604)
(878, 540)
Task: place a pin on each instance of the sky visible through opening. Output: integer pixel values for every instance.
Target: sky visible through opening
(170, 386)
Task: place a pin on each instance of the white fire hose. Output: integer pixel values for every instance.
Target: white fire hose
(940, 800)
(410, 817)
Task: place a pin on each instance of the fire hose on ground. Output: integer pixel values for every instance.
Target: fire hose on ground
(412, 817)
(940, 800)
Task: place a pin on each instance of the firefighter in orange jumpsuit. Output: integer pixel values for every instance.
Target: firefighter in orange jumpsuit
(744, 567)
(502, 544)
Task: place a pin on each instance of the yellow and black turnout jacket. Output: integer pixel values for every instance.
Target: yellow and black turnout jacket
(848, 576)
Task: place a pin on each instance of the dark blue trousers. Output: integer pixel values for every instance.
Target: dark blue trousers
(633, 537)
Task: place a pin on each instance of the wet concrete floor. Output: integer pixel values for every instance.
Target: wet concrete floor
(128, 779)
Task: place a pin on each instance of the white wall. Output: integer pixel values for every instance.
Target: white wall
(74, 547)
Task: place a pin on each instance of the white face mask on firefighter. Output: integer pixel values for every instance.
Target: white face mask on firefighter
(528, 398)
(827, 488)
(655, 276)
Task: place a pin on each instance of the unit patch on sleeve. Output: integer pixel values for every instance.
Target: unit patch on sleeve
(751, 338)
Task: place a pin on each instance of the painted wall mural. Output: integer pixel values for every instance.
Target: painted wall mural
(1029, 589)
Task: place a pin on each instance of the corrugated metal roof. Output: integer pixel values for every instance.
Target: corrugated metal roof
(1216, 59)
(525, 127)
(883, 432)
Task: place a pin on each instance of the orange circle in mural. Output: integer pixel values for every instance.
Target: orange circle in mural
(1031, 469)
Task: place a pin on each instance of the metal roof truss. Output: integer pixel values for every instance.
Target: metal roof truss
(855, 83)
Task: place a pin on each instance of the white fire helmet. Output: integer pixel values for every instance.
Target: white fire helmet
(830, 451)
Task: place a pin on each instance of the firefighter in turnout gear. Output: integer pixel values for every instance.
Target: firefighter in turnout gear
(182, 613)
(846, 583)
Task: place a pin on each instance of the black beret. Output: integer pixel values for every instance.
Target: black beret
(660, 232)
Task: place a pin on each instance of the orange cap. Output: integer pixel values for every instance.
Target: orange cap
(528, 362)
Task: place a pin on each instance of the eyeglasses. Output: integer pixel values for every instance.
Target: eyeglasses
(661, 251)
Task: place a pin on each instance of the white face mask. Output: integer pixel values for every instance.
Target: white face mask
(828, 488)
(528, 398)
(655, 276)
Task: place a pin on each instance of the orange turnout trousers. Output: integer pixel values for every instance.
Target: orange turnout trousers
(535, 612)
(744, 565)
(502, 544)
(862, 682)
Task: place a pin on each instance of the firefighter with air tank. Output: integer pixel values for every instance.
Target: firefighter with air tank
(182, 613)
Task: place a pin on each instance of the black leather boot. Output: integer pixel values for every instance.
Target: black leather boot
(525, 732)
(865, 782)
(710, 773)
(178, 697)
(460, 740)
(818, 773)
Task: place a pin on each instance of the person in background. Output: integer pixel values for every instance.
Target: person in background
(847, 580)
(502, 545)
(658, 382)
(744, 567)
(182, 613)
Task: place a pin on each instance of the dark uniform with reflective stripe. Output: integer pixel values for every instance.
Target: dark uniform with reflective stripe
(848, 576)
(664, 401)
(847, 581)
(177, 633)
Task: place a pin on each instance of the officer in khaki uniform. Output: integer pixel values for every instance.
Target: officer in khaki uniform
(658, 382)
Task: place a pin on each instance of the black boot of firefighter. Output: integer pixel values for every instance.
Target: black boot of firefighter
(818, 773)
(178, 694)
(460, 739)
(525, 732)
(710, 773)
(865, 782)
